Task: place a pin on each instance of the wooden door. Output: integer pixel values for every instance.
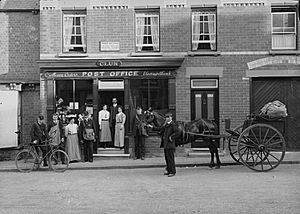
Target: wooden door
(286, 90)
(204, 105)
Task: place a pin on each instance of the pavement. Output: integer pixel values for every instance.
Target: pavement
(151, 162)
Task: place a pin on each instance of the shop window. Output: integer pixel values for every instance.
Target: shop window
(147, 31)
(204, 29)
(74, 96)
(74, 31)
(283, 28)
(150, 93)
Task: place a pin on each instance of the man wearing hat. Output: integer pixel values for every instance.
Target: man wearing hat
(169, 132)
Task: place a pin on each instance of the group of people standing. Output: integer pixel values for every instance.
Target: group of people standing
(112, 125)
(70, 136)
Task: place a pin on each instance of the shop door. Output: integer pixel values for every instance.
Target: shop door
(287, 91)
(204, 105)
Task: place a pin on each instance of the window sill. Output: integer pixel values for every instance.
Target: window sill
(146, 54)
(71, 55)
(284, 52)
(204, 53)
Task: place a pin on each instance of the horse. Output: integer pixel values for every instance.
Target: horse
(190, 131)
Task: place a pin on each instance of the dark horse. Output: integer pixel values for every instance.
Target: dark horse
(190, 131)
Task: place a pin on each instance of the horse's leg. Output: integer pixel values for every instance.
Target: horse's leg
(211, 150)
(217, 155)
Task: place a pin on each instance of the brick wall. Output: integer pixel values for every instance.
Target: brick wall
(23, 46)
(30, 110)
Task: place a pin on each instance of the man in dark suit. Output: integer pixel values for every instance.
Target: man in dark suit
(112, 118)
(169, 132)
(38, 135)
(139, 133)
(87, 132)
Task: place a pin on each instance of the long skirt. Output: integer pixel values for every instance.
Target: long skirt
(119, 135)
(72, 147)
(105, 134)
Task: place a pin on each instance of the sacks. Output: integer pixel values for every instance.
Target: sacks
(89, 134)
(275, 109)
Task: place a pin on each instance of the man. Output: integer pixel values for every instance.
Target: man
(112, 119)
(87, 132)
(38, 135)
(169, 132)
(56, 132)
(139, 124)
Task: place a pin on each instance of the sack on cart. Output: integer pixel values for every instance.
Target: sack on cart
(275, 109)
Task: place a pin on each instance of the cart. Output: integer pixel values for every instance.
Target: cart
(258, 143)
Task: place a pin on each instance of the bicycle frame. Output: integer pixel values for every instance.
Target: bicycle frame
(32, 148)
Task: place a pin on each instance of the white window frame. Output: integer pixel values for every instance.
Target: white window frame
(146, 15)
(83, 42)
(284, 32)
(211, 35)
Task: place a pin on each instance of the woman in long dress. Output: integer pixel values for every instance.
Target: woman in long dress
(72, 142)
(103, 119)
(120, 128)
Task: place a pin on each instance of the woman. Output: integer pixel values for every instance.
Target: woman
(120, 130)
(104, 130)
(72, 143)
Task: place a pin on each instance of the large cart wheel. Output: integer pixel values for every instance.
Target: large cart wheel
(59, 161)
(233, 142)
(25, 161)
(261, 147)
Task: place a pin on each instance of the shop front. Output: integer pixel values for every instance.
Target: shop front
(73, 86)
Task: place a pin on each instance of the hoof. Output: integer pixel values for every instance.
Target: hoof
(211, 166)
(218, 167)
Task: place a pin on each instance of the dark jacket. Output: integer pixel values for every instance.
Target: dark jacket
(139, 122)
(38, 132)
(168, 131)
(113, 113)
(86, 124)
(60, 126)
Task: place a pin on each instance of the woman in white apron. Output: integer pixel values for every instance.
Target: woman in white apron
(104, 130)
(120, 128)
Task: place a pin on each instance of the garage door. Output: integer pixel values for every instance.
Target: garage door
(287, 90)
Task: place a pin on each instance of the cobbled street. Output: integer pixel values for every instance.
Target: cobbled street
(231, 189)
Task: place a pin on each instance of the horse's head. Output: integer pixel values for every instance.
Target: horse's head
(154, 117)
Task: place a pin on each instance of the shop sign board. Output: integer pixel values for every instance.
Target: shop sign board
(109, 74)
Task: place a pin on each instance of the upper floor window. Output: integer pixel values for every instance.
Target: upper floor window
(283, 29)
(74, 32)
(147, 31)
(204, 30)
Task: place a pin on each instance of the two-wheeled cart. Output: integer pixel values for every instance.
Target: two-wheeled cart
(258, 143)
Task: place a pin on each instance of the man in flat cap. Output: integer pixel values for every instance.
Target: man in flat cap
(169, 132)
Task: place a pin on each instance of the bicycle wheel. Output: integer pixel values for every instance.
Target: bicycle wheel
(59, 161)
(25, 161)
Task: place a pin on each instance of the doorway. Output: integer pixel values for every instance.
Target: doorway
(204, 104)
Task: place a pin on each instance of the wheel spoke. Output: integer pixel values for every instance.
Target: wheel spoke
(274, 157)
(275, 143)
(268, 160)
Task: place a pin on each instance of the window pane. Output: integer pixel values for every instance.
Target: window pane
(150, 93)
(73, 40)
(277, 20)
(290, 20)
(78, 40)
(78, 30)
(84, 94)
(64, 95)
(77, 21)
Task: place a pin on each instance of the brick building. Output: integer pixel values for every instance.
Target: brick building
(19, 72)
(215, 59)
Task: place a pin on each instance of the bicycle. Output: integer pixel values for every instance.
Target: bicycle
(29, 159)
